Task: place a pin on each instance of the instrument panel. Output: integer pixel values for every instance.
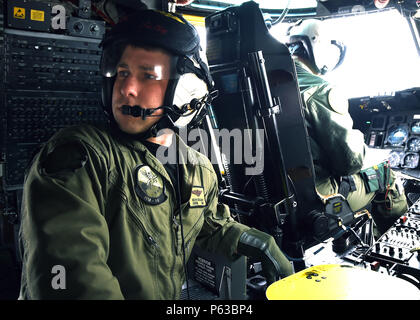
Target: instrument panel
(405, 139)
(401, 133)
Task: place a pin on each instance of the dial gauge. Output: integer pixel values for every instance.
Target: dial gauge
(415, 127)
(395, 158)
(411, 160)
(414, 144)
(397, 135)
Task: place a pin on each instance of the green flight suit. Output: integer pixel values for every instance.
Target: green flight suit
(102, 208)
(339, 150)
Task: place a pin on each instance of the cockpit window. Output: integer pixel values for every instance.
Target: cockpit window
(381, 55)
(264, 4)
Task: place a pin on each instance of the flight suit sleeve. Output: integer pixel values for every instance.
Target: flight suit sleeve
(64, 234)
(331, 125)
(220, 232)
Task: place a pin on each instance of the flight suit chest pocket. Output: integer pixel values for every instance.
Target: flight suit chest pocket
(135, 217)
(128, 214)
(148, 202)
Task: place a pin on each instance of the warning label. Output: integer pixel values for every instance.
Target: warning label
(37, 15)
(205, 273)
(18, 13)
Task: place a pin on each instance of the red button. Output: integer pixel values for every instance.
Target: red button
(375, 265)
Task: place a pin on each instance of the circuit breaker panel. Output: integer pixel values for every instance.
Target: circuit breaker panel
(49, 80)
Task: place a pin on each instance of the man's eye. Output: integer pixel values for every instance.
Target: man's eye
(123, 73)
(150, 76)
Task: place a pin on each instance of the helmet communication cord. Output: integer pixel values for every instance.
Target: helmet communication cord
(178, 190)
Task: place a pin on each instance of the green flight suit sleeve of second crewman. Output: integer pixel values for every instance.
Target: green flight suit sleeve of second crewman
(69, 230)
(337, 144)
(343, 145)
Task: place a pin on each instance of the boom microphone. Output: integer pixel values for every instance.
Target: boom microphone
(137, 111)
(194, 105)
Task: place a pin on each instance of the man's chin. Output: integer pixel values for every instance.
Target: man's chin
(133, 130)
(131, 125)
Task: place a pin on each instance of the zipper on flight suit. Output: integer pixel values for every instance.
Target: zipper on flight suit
(176, 225)
(152, 241)
(177, 229)
(139, 224)
(177, 250)
(149, 238)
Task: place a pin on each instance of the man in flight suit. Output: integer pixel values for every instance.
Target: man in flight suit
(337, 149)
(100, 205)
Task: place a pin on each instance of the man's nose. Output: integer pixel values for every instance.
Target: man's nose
(130, 87)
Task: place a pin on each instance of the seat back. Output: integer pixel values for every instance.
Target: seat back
(258, 91)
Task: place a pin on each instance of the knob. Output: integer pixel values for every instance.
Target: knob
(391, 251)
(94, 28)
(78, 27)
